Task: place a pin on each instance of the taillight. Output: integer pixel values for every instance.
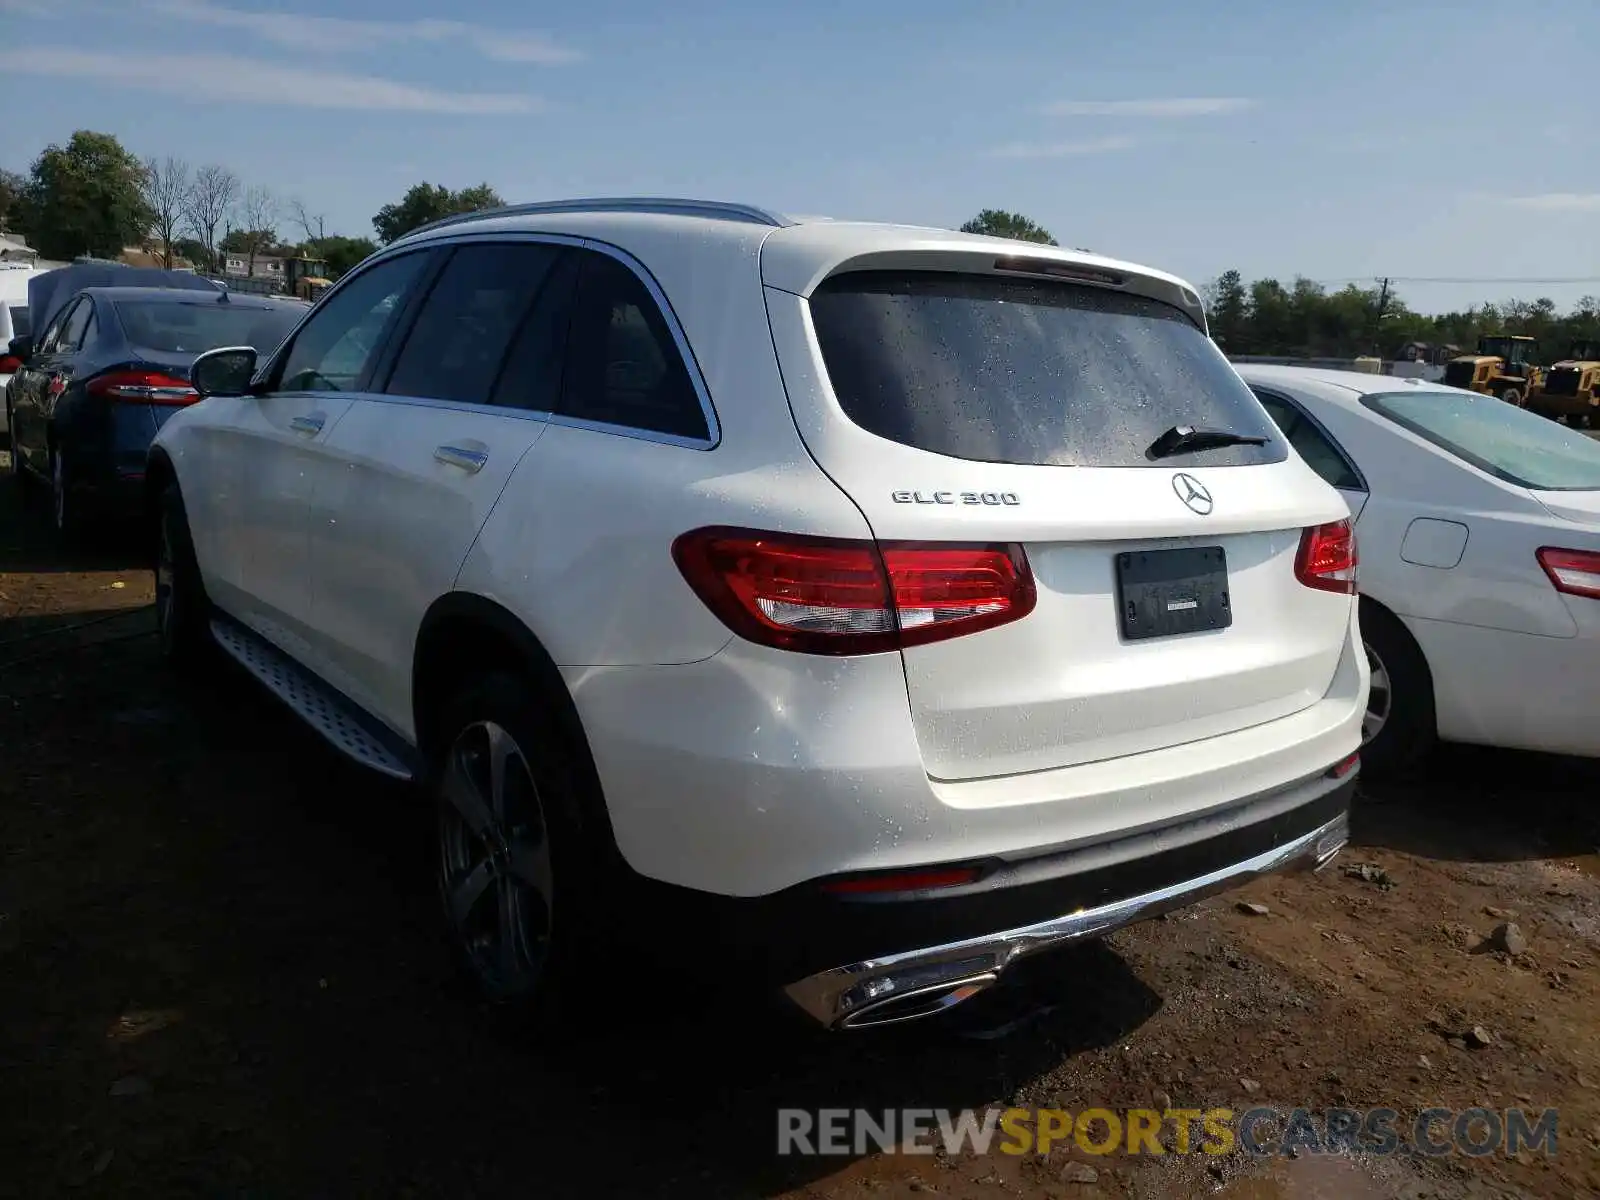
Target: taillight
(828, 596)
(10, 364)
(1327, 559)
(143, 387)
(1575, 572)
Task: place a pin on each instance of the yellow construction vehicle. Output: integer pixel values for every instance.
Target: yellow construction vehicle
(1503, 367)
(306, 278)
(1571, 388)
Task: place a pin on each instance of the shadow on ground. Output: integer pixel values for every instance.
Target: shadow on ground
(1475, 804)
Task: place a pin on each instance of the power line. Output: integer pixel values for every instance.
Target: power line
(1550, 281)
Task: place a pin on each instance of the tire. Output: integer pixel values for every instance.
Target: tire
(517, 882)
(1401, 728)
(183, 612)
(1512, 396)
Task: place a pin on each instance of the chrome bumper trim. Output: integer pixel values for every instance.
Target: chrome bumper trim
(845, 997)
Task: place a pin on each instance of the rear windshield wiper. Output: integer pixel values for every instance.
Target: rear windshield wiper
(1181, 439)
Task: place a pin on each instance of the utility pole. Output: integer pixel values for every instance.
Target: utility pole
(1377, 317)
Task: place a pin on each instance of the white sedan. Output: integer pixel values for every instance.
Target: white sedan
(1479, 532)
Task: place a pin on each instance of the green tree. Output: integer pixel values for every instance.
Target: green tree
(1228, 312)
(340, 253)
(426, 202)
(997, 222)
(13, 187)
(85, 198)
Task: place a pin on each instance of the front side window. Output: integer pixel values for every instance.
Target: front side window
(1510, 443)
(464, 330)
(623, 367)
(339, 342)
(72, 329)
(1321, 455)
(1004, 370)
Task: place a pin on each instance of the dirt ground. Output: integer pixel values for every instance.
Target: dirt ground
(221, 975)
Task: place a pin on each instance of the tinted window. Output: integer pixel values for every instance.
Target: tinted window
(1006, 370)
(1321, 455)
(345, 332)
(531, 377)
(21, 322)
(461, 335)
(1508, 442)
(194, 328)
(623, 367)
(52, 333)
(72, 330)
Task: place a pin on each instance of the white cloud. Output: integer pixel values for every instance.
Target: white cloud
(220, 77)
(1063, 149)
(303, 32)
(1558, 202)
(1212, 106)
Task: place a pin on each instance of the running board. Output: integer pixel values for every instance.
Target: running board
(319, 706)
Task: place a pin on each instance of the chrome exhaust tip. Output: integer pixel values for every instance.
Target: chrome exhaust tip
(912, 1005)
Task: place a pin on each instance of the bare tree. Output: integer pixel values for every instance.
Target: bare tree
(312, 224)
(211, 198)
(165, 188)
(259, 209)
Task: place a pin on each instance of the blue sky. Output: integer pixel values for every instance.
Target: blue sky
(1335, 141)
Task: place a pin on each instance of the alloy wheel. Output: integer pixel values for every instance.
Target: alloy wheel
(1380, 699)
(495, 874)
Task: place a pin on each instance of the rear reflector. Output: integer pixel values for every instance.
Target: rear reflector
(142, 387)
(1344, 766)
(1575, 572)
(1327, 559)
(827, 596)
(902, 881)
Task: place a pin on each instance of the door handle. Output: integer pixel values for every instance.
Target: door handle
(467, 458)
(311, 425)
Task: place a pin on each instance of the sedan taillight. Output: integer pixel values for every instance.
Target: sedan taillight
(1575, 572)
(142, 387)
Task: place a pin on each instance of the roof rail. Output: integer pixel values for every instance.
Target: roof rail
(641, 204)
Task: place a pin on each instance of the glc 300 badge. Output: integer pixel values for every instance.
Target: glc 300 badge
(995, 499)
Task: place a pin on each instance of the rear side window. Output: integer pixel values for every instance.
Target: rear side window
(1017, 371)
(185, 328)
(464, 331)
(623, 367)
(1508, 442)
(1321, 455)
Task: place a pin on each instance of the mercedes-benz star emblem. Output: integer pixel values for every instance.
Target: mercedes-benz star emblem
(1192, 492)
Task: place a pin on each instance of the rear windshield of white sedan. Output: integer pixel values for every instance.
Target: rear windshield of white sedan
(1508, 442)
(1037, 373)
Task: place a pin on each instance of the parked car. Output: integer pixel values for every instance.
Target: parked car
(869, 605)
(110, 367)
(1479, 525)
(13, 324)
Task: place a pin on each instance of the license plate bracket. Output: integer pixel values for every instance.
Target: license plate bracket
(1162, 593)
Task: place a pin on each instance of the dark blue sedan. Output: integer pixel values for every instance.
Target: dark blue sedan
(107, 371)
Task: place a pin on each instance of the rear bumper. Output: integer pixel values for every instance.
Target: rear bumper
(919, 982)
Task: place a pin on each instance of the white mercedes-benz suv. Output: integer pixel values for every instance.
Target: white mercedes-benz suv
(887, 603)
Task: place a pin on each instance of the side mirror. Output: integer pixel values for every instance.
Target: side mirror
(224, 372)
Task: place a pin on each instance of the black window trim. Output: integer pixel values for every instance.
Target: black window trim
(383, 363)
(1305, 415)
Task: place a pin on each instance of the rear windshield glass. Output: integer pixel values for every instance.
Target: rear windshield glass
(1016, 371)
(195, 328)
(1508, 442)
(21, 326)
